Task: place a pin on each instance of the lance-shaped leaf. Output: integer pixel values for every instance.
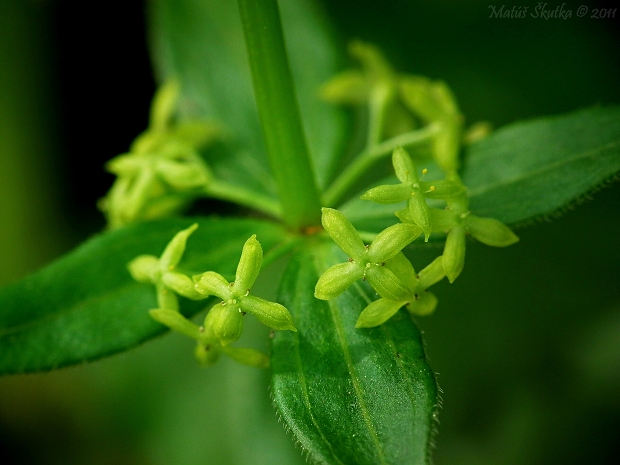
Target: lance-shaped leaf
(536, 168)
(350, 396)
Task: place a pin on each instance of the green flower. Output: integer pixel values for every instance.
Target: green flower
(457, 221)
(160, 272)
(163, 170)
(413, 190)
(365, 262)
(208, 347)
(418, 300)
(226, 318)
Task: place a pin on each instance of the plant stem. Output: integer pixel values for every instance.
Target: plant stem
(369, 157)
(279, 113)
(225, 191)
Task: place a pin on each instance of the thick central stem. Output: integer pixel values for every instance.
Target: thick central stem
(279, 113)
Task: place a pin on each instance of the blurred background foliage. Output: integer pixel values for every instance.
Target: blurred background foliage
(526, 342)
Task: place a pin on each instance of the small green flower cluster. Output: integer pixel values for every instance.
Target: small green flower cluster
(399, 103)
(163, 170)
(224, 321)
(396, 104)
(383, 264)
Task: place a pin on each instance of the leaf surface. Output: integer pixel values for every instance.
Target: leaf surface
(535, 168)
(86, 305)
(363, 396)
(525, 170)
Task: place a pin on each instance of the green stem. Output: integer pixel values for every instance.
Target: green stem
(231, 193)
(369, 157)
(279, 113)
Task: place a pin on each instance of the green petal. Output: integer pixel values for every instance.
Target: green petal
(226, 322)
(403, 166)
(349, 88)
(271, 314)
(388, 194)
(164, 104)
(249, 266)
(454, 253)
(144, 268)
(336, 279)
(419, 212)
(441, 189)
(490, 231)
(433, 273)
(177, 322)
(386, 284)
(392, 240)
(378, 312)
(403, 269)
(175, 248)
(125, 165)
(423, 306)
(212, 283)
(207, 353)
(246, 356)
(182, 285)
(183, 175)
(343, 233)
(442, 220)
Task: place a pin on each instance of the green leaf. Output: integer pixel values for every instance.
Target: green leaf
(533, 169)
(363, 396)
(86, 305)
(526, 170)
(202, 44)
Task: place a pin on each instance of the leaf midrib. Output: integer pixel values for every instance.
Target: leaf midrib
(353, 372)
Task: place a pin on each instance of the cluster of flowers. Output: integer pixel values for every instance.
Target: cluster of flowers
(163, 170)
(397, 103)
(224, 321)
(383, 264)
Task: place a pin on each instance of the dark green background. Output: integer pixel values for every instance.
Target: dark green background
(526, 342)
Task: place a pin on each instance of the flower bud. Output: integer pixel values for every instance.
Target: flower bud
(378, 312)
(490, 231)
(212, 283)
(177, 322)
(226, 322)
(349, 88)
(424, 305)
(208, 353)
(271, 314)
(388, 193)
(386, 284)
(336, 279)
(144, 268)
(249, 265)
(182, 285)
(247, 356)
(403, 166)
(343, 233)
(176, 247)
(392, 240)
(454, 253)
